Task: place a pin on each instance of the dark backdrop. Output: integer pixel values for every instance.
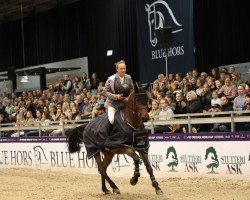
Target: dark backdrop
(90, 27)
(221, 33)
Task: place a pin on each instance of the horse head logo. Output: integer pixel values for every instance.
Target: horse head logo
(212, 158)
(172, 157)
(156, 19)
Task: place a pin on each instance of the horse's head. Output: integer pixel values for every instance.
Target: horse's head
(137, 102)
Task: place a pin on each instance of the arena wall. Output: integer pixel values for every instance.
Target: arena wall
(175, 155)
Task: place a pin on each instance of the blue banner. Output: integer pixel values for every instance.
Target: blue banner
(156, 14)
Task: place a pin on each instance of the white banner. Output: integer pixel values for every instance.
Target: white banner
(169, 159)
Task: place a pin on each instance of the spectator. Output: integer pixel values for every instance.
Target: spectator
(229, 90)
(67, 84)
(154, 108)
(85, 81)
(225, 106)
(205, 97)
(166, 113)
(193, 105)
(94, 83)
(215, 99)
(87, 109)
(215, 73)
(179, 100)
(239, 101)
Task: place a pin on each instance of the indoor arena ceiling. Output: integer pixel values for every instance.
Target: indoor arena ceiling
(11, 9)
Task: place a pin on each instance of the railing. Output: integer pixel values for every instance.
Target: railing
(231, 117)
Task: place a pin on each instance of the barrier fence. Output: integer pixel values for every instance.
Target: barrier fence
(231, 117)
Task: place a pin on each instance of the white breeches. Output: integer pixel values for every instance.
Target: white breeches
(111, 114)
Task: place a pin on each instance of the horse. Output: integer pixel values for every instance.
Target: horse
(104, 147)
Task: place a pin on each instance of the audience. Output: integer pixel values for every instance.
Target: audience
(82, 98)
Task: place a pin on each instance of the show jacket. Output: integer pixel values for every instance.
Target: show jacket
(110, 92)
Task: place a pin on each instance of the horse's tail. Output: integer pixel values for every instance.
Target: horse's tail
(75, 138)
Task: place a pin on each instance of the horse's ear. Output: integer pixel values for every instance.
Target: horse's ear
(145, 88)
(136, 87)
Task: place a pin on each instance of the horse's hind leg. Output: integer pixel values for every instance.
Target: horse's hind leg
(102, 166)
(149, 169)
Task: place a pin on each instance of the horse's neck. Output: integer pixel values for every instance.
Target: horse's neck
(133, 119)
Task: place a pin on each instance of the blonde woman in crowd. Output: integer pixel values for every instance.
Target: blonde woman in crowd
(154, 108)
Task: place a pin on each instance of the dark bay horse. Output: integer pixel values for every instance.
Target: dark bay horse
(119, 141)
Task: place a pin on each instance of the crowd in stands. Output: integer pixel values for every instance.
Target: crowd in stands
(75, 98)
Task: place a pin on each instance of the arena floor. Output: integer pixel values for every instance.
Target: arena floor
(22, 184)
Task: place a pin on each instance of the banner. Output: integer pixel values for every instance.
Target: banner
(171, 155)
(156, 14)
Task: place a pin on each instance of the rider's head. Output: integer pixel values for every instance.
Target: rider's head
(121, 68)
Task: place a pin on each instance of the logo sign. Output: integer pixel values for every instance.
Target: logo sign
(155, 161)
(233, 163)
(212, 158)
(191, 162)
(156, 14)
(172, 158)
(156, 19)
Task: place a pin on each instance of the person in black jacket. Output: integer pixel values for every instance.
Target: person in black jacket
(225, 107)
(193, 105)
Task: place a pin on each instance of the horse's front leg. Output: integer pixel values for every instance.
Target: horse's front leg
(149, 169)
(134, 179)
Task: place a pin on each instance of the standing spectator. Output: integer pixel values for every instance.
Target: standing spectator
(67, 84)
(85, 80)
(94, 83)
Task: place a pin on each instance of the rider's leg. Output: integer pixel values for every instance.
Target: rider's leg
(111, 114)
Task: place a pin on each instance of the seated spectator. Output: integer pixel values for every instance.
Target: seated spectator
(229, 90)
(199, 86)
(59, 131)
(193, 105)
(225, 106)
(87, 109)
(179, 100)
(244, 126)
(166, 113)
(215, 99)
(206, 97)
(239, 101)
(154, 108)
(98, 111)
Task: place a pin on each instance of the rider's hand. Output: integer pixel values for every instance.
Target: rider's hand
(120, 97)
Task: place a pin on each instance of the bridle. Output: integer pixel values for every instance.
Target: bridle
(134, 109)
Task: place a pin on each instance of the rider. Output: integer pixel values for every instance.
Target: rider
(117, 88)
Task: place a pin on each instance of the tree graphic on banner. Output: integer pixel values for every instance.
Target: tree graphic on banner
(215, 162)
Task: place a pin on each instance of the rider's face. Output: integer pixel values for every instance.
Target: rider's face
(121, 69)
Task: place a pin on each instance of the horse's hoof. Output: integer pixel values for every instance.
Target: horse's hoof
(116, 191)
(159, 192)
(133, 182)
(107, 192)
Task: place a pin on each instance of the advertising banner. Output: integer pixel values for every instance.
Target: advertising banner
(153, 15)
(198, 158)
